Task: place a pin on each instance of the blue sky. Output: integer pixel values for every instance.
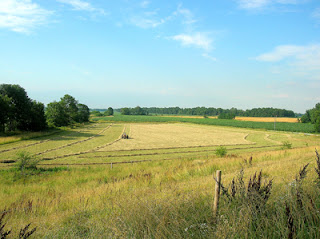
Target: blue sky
(217, 53)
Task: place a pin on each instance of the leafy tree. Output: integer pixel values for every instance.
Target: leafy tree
(83, 114)
(19, 106)
(56, 115)
(66, 112)
(38, 120)
(138, 111)
(312, 116)
(18, 111)
(70, 106)
(125, 111)
(108, 112)
(4, 111)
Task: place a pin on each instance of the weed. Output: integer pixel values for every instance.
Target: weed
(221, 151)
(286, 145)
(26, 161)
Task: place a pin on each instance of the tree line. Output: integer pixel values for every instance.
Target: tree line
(256, 112)
(19, 112)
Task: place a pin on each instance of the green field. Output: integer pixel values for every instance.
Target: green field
(158, 183)
(280, 126)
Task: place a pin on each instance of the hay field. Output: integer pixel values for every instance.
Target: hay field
(155, 136)
(88, 198)
(101, 143)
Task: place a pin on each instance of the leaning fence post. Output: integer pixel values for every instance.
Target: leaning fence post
(217, 193)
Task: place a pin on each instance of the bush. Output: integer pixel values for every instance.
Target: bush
(26, 161)
(221, 151)
(286, 145)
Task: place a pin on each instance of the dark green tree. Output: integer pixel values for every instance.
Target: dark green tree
(83, 114)
(108, 112)
(56, 115)
(19, 106)
(125, 111)
(313, 116)
(137, 111)
(4, 111)
(70, 106)
(38, 120)
(18, 111)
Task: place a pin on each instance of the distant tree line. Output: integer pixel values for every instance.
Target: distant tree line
(312, 116)
(19, 112)
(102, 112)
(256, 112)
(134, 111)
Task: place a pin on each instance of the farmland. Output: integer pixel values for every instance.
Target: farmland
(279, 126)
(158, 183)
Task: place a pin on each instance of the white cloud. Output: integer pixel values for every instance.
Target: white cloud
(252, 4)
(22, 15)
(80, 5)
(198, 39)
(305, 57)
(144, 4)
(316, 14)
(259, 4)
(186, 13)
(207, 56)
(146, 22)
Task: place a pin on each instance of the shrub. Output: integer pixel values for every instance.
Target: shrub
(221, 151)
(26, 161)
(286, 145)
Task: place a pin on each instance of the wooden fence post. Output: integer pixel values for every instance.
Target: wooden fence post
(217, 193)
(111, 165)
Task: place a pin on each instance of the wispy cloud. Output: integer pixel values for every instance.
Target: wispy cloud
(207, 56)
(316, 14)
(301, 62)
(22, 15)
(198, 39)
(80, 5)
(260, 4)
(144, 4)
(307, 57)
(188, 16)
(147, 21)
(253, 4)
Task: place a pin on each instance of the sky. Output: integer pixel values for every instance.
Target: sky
(124, 53)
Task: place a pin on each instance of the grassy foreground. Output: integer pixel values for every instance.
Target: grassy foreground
(165, 199)
(280, 126)
(168, 196)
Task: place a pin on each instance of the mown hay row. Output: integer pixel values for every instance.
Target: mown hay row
(24, 146)
(88, 151)
(175, 152)
(182, 147)
(73, 143)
